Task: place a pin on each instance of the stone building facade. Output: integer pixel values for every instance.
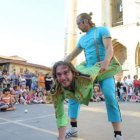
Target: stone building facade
(20, 65)
(123, 19)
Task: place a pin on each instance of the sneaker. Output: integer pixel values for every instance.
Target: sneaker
(118, 137)
(72, 132)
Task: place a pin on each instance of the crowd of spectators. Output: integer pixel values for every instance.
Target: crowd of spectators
(29, 88)
(24, 88)
(128, 89)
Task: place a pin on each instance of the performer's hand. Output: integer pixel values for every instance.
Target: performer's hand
(104, 65)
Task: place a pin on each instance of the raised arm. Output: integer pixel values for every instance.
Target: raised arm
(73, 54)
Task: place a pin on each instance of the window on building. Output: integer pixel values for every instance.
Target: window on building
(5, 67)
(21, 70)
(117, 13)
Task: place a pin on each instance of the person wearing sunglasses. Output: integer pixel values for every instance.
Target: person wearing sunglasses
(86, 44)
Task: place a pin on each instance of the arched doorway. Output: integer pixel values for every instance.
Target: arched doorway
(120, 52)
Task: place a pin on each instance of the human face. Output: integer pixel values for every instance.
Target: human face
(96, 88)
(80, 21)
(81, 24)
(64, 75)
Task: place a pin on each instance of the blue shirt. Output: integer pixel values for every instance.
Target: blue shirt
(86, 43)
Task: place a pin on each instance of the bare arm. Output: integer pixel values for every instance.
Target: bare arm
(73, 54)
(62, 132)
(109, 53)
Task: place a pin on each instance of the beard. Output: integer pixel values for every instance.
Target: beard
(71, 86)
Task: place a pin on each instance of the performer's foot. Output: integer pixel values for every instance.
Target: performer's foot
(118, 137)
(72, 132)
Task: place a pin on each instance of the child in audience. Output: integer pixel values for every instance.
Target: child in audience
(23, 98)
(133, 98)
(47, 98)
(98, 94)
(38, 98)
(30, 96)
(7, 100)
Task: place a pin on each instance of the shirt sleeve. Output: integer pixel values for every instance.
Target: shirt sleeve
(105, 33)
(61, 118)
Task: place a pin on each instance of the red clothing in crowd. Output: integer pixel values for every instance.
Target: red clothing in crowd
(136, 83)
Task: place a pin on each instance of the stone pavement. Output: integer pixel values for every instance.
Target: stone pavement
(39, 123)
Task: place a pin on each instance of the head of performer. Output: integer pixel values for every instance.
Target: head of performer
(64, 73)
(84, 22)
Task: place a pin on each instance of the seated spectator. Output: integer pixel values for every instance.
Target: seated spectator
(2, 104)
(16, 92)
(133, 98)
(138, 98)
(29, 98)
(7, 101)
(22, 98)
(38, 98)
(98, 94)
(47, 97)
(23, 89)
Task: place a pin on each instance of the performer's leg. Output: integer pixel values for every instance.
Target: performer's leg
(113, 111)
(73, 111)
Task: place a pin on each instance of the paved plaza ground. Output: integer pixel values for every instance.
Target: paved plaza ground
(39, 122)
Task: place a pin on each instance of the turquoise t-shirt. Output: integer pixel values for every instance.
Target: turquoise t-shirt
(86, 43)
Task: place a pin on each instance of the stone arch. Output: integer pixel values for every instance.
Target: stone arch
(120, 51)
(137, 55)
